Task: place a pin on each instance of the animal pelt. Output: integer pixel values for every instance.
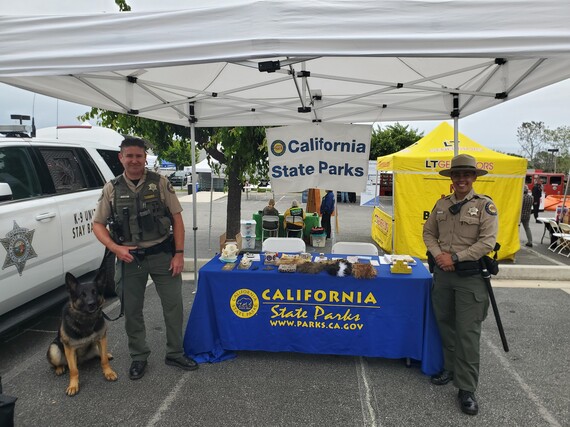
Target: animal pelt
(362, 270)
(339, 268)
(310, 267)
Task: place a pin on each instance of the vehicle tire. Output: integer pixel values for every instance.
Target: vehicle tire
(109, 267)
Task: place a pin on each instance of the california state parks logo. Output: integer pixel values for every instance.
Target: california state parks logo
(18, 245)
(277, 147)
(244, 303)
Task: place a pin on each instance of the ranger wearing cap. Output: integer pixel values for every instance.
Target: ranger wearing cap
(460, 230)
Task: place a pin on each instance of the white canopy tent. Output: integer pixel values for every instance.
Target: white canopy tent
(274, 62)
(339, 61)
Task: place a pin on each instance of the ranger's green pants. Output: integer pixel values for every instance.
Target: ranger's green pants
(169, 290)
(460, 305)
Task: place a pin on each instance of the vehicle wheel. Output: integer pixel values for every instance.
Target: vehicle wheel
(109, 267)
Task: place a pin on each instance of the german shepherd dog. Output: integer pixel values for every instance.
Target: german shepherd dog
(83, 331)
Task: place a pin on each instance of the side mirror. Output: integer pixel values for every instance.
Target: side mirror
(5, 192)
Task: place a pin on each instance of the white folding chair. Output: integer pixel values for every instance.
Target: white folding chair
(556, 232)
(291, 232)
(283, 244)
(565, 238)
(269, 226)
(354, 248)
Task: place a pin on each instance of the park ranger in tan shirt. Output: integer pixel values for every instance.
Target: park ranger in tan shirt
(460, 230)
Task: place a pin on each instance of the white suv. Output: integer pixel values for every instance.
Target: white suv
(48, 193)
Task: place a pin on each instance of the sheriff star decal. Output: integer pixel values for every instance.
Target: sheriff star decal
(18, 245)
(152, 187)
(473, 211)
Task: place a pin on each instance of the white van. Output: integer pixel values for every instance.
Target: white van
(49, 189)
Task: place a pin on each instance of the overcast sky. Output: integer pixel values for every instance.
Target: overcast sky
(495, 128)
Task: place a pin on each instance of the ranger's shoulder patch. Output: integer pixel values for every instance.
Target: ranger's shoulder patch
(170, 188)
(491, 209)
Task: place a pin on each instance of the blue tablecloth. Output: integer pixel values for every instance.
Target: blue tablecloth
(264, 310)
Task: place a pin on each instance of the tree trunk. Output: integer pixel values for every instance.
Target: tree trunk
(234, 203)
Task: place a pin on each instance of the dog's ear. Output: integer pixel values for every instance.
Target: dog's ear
(71, 282)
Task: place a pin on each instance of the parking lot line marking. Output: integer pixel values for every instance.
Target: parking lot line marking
(366, 399)
(544, 413)
(168, 400)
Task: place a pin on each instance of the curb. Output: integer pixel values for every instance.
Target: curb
(506, 272)
(534, 272)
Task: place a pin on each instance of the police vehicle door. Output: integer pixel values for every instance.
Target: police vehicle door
(30, 231)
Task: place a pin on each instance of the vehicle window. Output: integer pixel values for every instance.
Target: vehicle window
(543, 179)
(112, 159)
(555, 180)
(17, 171)
(64, 169)
(528, 180)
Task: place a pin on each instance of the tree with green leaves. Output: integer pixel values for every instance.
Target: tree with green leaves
(391, 139)
(242, 150)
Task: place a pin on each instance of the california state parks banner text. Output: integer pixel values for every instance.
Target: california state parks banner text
(328, 156)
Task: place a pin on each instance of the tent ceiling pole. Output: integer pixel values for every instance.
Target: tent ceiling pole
(455, 115)
(194, 179)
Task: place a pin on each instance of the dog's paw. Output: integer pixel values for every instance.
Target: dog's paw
(110, 375)
(72, 389)
(60, 370)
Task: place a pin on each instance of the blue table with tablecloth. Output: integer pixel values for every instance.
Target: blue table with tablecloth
(259, 309)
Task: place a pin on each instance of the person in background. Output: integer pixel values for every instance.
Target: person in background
(298, 213)
(140, 239)
(460, 230)
(536, 195)
(527, 204)
(327, 209)
(344, 197)
(270, 210)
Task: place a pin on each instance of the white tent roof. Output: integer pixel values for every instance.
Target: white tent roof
(340, 61)
(204, 167)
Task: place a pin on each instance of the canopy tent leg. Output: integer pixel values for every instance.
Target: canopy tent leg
(211, 202)
(194, 179)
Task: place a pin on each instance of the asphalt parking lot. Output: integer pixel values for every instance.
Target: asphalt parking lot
(527, 386)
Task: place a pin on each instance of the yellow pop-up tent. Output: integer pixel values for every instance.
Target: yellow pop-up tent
(418, 185)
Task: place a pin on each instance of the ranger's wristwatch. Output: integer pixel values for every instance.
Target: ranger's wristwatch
(454, 258)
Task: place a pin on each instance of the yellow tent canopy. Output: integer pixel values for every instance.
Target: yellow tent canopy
(418, 185)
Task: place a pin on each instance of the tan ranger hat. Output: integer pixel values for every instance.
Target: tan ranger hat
(463, 162)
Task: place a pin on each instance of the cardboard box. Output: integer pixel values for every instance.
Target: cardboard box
(224, 240)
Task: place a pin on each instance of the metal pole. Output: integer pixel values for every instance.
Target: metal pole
(211, 201)
(194, 179)
(455, 115)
